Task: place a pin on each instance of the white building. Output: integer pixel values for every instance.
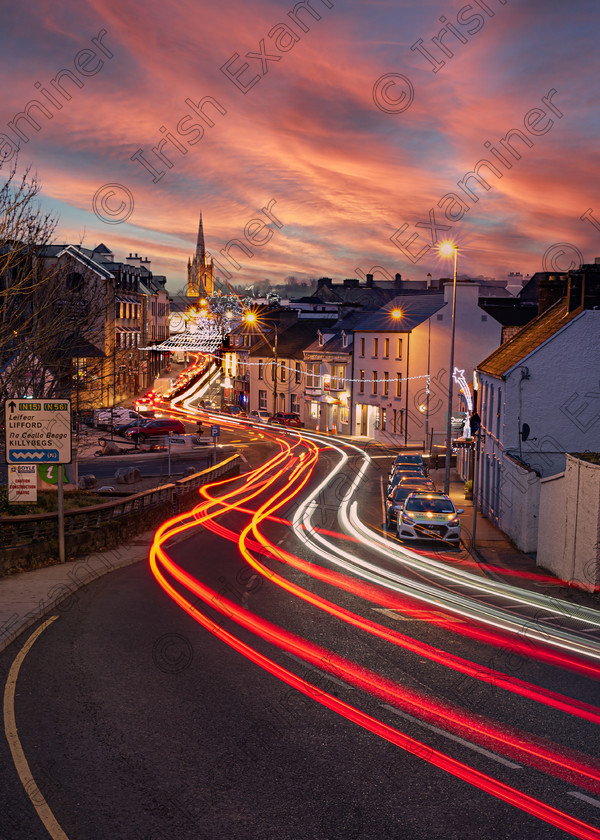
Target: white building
(539, 398)
(402, 349)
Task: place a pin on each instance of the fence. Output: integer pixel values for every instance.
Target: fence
(29, 541)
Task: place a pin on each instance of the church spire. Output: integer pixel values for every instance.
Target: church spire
(200, 269)
(200, 249)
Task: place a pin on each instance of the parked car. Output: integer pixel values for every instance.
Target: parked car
(234, 411)
(207, 405)
(104, 418)
(429, 516)
(123, 427)
(155, 428)
(411, 458)
(404, 471)
(395, 500)
(283, 419)
(260, 416)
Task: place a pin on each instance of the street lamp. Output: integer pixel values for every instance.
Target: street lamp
(448, 249)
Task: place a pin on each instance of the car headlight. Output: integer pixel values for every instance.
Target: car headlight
(454, 522)
(407, 519)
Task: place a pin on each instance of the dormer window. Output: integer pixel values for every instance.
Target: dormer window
(344, 339)
(320, 334)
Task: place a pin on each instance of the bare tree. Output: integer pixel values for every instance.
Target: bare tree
(53, 299)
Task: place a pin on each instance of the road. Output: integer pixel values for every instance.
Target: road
(282, 668)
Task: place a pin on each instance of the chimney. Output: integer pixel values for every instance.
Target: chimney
(584, 287)
(369, 281)
(551, 288)
(397, 282)
(351, 283)
(324, 281)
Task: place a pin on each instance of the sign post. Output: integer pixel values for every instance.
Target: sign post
(39, 432)
(215, 431)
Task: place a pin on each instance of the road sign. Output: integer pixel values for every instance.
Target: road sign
(38, 431)
(215, 431)
(22, 483)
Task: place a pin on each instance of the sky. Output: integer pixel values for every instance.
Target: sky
(334, 143)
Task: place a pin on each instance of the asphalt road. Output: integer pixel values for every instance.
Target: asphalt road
(138, 722)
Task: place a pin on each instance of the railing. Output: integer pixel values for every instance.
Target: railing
(43, 527)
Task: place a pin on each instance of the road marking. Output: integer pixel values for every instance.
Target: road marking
(382, 499)
(594, 802)
(10, 727)
(318, 671)
(449, 735)
(419, 615)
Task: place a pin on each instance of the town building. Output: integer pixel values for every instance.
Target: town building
(538, 399)
(401, 363)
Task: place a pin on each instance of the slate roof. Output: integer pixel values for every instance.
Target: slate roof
(290, 341)
(528, 339)
(415, 309)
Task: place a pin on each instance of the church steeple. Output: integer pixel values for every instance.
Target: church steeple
(200, 269)
(200, 249)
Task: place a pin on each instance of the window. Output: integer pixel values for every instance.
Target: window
(262, 400)
(260, 368)
(484, 317)
(282, 371)
(399, 349)
(375, 347)
(386, 348)
(398, 422)
(440, 317)
(362, 347)
(361, 382)
(320, 334)
(386, 383)
(383, 419)
(344, 339)
(398, 384)
(294, 404)
(298, 373)
(498, 413)
(313, 375)
(337, 377)
(374, 383)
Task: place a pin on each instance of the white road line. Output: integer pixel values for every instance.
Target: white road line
(397, 616)
(449, 735)
(594, 802)
(318, 671)
(382, 499)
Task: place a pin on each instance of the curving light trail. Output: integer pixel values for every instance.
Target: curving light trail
(292, 476)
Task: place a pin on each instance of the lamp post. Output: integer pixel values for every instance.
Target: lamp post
(275, 373)
(448, 249)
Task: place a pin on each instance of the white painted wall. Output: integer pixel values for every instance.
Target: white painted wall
(556, 391)
(569, 524)
(426, 350)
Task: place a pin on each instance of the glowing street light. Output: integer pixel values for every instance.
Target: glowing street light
(396, 313)
(449, 249)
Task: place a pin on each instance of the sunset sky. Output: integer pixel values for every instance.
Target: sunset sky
(353, 139)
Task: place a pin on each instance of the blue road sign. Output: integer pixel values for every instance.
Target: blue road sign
(215, 431)
(33, 456)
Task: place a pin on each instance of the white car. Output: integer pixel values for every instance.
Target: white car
(429, 516)
(260, 416)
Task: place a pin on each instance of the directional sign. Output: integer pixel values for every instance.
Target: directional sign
(215, 431)
(38, 432)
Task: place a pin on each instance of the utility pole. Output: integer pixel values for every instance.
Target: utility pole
(275, 373)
